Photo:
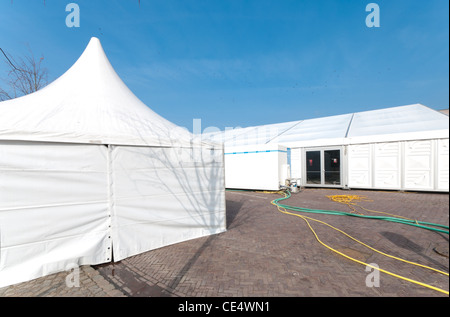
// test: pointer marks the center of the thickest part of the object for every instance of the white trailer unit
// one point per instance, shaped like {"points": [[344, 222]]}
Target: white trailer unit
{"points": [[258, 167]]}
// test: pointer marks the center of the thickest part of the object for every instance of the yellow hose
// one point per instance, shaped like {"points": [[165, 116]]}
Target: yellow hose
{"points": [[283, 210]]}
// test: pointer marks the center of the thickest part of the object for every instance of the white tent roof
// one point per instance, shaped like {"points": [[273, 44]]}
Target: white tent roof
{"points": [[88, 104], [413, 118], [390, 124]]}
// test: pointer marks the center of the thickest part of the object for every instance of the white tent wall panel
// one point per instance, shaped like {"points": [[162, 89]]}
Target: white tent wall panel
{"points": [[442, 170], [296, 163], [165, 195], [360, 166], [387, 165], [53, 208], [70, 204], [418, 165], [284, 169], [406, 165]]}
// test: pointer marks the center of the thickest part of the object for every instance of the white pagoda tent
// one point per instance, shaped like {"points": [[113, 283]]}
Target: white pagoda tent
{"points": [[89, 174]]}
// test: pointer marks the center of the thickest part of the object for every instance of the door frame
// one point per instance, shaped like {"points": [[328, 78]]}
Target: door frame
{"points": [[322, 150]]}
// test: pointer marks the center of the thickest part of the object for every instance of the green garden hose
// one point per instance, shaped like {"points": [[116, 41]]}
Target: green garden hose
{"points": [[420, 224]]}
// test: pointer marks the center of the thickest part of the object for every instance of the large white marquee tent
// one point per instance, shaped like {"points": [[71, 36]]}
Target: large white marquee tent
{"points": [[399, 148], [89, 174]]}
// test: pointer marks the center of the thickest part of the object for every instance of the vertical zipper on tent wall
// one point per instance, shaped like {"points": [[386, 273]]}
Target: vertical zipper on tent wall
{"points": [[110, 203]]}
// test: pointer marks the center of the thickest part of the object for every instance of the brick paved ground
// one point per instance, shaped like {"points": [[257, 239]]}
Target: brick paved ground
{"points": [[266, 253], [92, 284]]}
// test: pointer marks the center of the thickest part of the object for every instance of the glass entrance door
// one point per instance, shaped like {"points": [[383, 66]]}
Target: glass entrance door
{"points": [[323, 167], [332, 167], [313, 167]]}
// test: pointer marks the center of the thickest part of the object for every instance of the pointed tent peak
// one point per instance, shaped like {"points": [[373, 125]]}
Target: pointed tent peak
{"points": [[94, 40], [94, 43], [89, 103], [94, 46], [94, 57], [92, 82]]}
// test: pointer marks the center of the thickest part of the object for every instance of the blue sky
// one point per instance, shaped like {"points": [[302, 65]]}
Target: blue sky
{"points": [[248, 62]]}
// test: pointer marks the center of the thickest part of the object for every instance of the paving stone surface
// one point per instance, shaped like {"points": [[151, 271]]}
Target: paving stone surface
{"points": [[266, 253]]}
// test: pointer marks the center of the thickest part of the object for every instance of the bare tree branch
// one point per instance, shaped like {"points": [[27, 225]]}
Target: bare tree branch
{"points": [[25, 75]]}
